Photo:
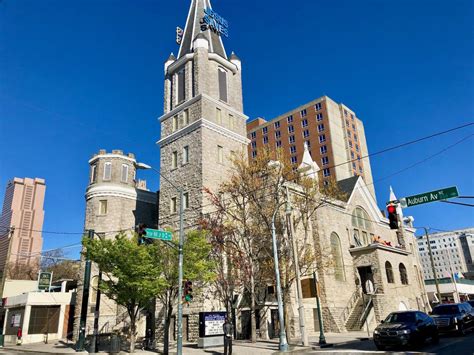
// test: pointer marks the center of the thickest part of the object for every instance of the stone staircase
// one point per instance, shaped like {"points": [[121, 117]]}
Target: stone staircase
{"points": [[353, 321]]}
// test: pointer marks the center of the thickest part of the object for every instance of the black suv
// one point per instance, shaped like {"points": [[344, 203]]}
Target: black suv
{"points": [[454, 317], [407, 328]]}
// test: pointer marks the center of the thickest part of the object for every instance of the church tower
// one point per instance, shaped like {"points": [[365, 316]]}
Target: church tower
{"points": [[203, 122]]}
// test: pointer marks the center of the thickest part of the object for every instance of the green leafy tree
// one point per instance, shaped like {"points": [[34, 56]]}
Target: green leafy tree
{"points": [[132, 273], [197, 267]]}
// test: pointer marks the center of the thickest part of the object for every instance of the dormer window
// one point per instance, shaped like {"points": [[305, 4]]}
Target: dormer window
{"points": [[222, 84]]}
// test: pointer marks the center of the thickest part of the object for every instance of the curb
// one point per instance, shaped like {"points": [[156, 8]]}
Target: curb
{"points": [[26, 350]]}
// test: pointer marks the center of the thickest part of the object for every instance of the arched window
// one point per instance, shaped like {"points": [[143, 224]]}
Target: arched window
{"points": [[389, 272], [403, 274], [337, 257], [362, 226]]}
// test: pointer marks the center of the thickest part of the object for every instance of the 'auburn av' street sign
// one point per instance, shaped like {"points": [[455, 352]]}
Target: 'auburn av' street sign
{"points": [[158, 234], [427, 197]]}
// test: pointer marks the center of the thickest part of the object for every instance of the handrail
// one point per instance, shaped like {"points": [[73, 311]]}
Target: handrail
{"points": [[366, 311], [352, 301]]}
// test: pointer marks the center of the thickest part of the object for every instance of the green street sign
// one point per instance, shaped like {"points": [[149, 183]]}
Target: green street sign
{"points": [[427, 197], [157, 234], [44, 280]]}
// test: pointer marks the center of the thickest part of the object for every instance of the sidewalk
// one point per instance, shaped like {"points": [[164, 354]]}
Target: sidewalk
{"points": [[240, 347]]}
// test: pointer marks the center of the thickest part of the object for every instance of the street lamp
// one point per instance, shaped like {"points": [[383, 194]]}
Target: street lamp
{"points": [[283, 343], [180, 254]]}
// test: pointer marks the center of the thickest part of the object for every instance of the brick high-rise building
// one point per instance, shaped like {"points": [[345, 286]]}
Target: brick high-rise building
{"points": [[332, 131], [23, 211]]}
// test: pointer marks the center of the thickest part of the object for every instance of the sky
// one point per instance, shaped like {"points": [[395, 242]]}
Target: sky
{"points": [[79, 76]]}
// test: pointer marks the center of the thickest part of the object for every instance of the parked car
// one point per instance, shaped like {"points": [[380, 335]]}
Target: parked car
{"points": [[454, 317], [405, 328]]}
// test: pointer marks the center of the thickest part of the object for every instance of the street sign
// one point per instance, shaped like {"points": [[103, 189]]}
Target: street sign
{"points": [[157, 234], [44, 280], [432, 196]]}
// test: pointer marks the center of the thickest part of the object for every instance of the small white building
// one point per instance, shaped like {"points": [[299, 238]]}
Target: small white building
{"points": [[38, 314], [458, 291]]}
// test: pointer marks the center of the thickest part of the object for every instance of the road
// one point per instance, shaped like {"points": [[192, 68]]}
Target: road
{"points": [[449, 345]]}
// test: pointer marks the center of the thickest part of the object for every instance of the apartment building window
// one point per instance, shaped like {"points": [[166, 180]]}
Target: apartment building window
{"points": [[319, 116], [277, 124], [277, 134], [347, 123], [352, 116], [181, 86], [173, 205], [352, 155], [253, 135], [293, 149], [326, 172], [185, 154], [290, 118], [326, 183], [353, 165], [93, 173], [355, 137], [308, 143], [218, 115], [278, 144], [291, 129], [345, 113], [103, 207], [265, 139], [254, 145], [220, 154], [107, 171], [361, 170], [322, 138], [303, 113], [323, 149], [357, 147], [320, 127], [350, 143], [294, 160], [306, 133], [186, 200], [325, 160], [124, 175], [186, 117], [349, 133], [291, 139], [358, 157], [174, 160], [354, 127], [317, 107], [304, 123], [222, 85], [254, 154]]}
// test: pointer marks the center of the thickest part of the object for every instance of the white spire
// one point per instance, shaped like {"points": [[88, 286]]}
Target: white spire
{"points": [[393, 197], [308, 167]]}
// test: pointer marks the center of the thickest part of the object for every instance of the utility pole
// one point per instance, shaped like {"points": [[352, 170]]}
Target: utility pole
{"points": [[432, 264], [96, 314], [4, 273], [453, 278], [291, 234], [322, 338], [180, 274], [85, 298]]}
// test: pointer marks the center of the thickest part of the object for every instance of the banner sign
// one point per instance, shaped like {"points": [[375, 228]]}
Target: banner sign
{"points": [[212, 20], [211, 324]]}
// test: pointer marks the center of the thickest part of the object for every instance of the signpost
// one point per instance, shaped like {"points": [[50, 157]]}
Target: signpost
{"points": [[44, 280], [158, 234], [427, 197]]}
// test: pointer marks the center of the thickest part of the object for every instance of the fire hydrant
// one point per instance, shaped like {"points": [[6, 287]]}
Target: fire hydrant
{"points": [[19, 334]]}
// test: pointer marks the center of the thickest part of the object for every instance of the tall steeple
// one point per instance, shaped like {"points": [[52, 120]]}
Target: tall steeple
{"points": [[203, 20]]}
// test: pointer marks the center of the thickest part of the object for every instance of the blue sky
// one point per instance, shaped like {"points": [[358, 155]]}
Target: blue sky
{"points": [[78, 76]]}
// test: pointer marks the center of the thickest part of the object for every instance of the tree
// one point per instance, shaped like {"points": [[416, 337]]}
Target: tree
{"points": [[54, 261], [132, 273], [197, 267]]}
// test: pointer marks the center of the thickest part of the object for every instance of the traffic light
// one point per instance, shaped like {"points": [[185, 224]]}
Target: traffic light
{"points": [[188, 291], [141, 231], [392, 216]]}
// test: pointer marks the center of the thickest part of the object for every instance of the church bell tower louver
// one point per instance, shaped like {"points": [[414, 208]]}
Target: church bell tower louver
{"points": [[203, 122]]}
